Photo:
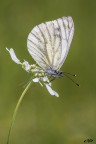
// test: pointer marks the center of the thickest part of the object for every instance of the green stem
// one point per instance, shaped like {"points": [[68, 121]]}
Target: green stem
{"points": [[16, 110]]}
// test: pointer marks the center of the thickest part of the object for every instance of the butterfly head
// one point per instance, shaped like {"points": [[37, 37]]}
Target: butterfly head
{"points": [[54, 73]]}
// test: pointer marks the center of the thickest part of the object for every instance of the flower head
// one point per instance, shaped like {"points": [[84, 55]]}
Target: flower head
{"points": [[38, 74]]}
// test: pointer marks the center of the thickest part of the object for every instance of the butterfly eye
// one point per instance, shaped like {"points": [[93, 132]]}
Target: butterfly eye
{"points": [[61, 72]]}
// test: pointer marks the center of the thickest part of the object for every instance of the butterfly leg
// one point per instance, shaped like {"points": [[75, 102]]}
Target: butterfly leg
{"points": [[51, 78]]}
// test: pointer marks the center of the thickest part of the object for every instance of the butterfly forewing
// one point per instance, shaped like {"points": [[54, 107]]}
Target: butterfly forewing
{"points": [[49, 42]]}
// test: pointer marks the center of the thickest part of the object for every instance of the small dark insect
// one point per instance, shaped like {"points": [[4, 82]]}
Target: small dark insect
{"points": [[88, 140]]}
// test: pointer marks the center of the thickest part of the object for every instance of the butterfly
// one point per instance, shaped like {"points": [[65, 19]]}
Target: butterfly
{"points": [[48, 43]]}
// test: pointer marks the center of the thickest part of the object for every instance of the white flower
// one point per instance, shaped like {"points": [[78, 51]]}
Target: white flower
{"points": [[52, 92], [45, 79], [36, 80], [13, 56], [38, 73], [26, 65]]}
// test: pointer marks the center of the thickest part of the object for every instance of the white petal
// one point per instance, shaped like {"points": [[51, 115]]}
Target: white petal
{"points": [[36, 80], [13, 56], [52, 92], [26, 65], [45, 79]]}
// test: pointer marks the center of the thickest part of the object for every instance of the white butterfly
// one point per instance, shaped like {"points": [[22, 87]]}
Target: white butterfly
{"points": [[49, 43]]}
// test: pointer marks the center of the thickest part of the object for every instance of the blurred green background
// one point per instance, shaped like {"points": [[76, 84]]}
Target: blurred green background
{"points": [[42, 118]]}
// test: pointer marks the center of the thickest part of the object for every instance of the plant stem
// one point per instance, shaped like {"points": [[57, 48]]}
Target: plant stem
{"points": [[16, 110]]}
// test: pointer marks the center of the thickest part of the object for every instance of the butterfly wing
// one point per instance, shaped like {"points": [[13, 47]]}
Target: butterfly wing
{"points": [[49, 43]]}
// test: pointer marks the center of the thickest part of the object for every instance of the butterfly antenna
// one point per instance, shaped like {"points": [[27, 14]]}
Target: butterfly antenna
{"points": [[70, 78], [70, 74]]}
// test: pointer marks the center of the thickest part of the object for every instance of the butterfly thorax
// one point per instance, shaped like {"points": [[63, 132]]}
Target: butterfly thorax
{"points": [[54, 73]]}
